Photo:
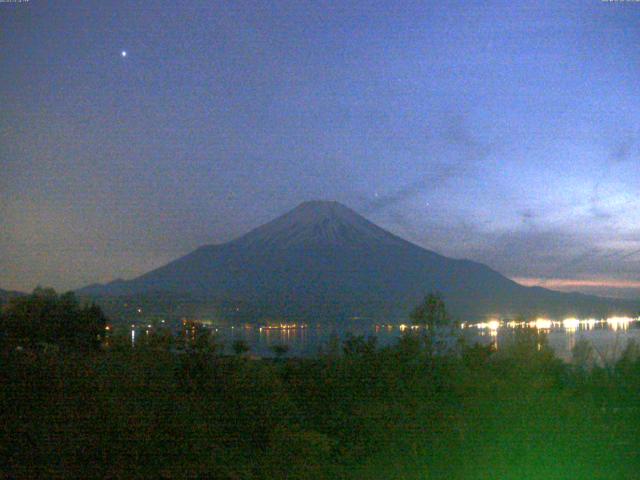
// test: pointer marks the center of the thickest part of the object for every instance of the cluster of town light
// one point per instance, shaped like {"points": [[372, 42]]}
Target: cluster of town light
{"points": [[404, 327], [570, 324]]}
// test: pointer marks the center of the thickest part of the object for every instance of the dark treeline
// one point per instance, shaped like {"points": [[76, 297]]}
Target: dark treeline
{"points": [[354, 411], [45, 319]]}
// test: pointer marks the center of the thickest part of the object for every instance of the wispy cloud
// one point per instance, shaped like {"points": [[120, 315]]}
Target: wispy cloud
{"points": [[456, 152], [432, 181], [624, 147]]}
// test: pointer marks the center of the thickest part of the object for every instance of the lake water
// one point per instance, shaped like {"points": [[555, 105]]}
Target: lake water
{"points": [[608, 336]]}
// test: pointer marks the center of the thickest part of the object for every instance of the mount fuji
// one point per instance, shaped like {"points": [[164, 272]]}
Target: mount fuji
{"points": [[322, 261]]}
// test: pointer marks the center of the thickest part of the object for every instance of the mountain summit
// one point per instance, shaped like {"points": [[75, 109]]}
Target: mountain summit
{"points": [[322, 261], [317, 223]]}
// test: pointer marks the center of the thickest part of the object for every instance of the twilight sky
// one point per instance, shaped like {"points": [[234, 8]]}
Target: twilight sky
{"points": [[502, 131]]}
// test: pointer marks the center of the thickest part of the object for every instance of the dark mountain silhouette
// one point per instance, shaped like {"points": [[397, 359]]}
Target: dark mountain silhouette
{"points": [[6, 295], [322, 261]]}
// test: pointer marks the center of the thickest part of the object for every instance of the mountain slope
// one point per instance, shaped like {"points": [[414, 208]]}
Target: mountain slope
{"points": [[6, 295], [323, 261]]}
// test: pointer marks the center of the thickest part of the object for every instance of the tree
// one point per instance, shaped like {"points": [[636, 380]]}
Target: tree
{"points": [[583, 355], [280, 350], [44, 317], [431, 313], [359, 345], [239, 347], [206, 342]]}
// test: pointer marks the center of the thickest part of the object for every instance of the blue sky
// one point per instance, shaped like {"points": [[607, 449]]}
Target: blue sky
{"points": [[504, 132]]}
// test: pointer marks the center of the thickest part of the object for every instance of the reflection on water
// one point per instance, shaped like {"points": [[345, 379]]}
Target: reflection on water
{"points": [[608, 336]]}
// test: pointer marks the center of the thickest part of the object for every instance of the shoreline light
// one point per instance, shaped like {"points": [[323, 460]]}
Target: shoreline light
{"points": [[619, 323], [493, 324], [571, 324], [543, 323]]}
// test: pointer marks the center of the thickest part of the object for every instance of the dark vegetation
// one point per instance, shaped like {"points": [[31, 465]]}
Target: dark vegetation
{"points": [[45, 319], [355, 411]]}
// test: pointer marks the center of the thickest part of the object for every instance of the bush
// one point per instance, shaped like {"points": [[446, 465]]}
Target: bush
{"points": [[44, 317]]}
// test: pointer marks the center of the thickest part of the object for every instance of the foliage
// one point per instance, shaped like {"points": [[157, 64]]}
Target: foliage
{"points": [[239, 347], [280, 349], [359, 345], [431, 313], [583, 355], [365, 412], [44, 317]]}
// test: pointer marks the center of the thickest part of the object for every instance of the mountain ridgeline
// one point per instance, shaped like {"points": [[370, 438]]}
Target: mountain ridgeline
{"points": [[322, 262], [6, 295]]}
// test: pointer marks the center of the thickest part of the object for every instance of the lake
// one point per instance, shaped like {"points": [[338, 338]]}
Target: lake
{"points": [[608, 336]]}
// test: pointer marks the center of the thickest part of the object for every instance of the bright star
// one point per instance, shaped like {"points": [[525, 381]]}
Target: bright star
{"points": [[123, 53]]}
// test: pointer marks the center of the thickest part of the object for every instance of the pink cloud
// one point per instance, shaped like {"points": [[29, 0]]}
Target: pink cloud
{"points": [[569, 283]]}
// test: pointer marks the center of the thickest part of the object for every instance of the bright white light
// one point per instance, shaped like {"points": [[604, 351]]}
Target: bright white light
{"points": [[123, 53], [493, 324], [543, 324], [570, 323], [617, 323]]}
